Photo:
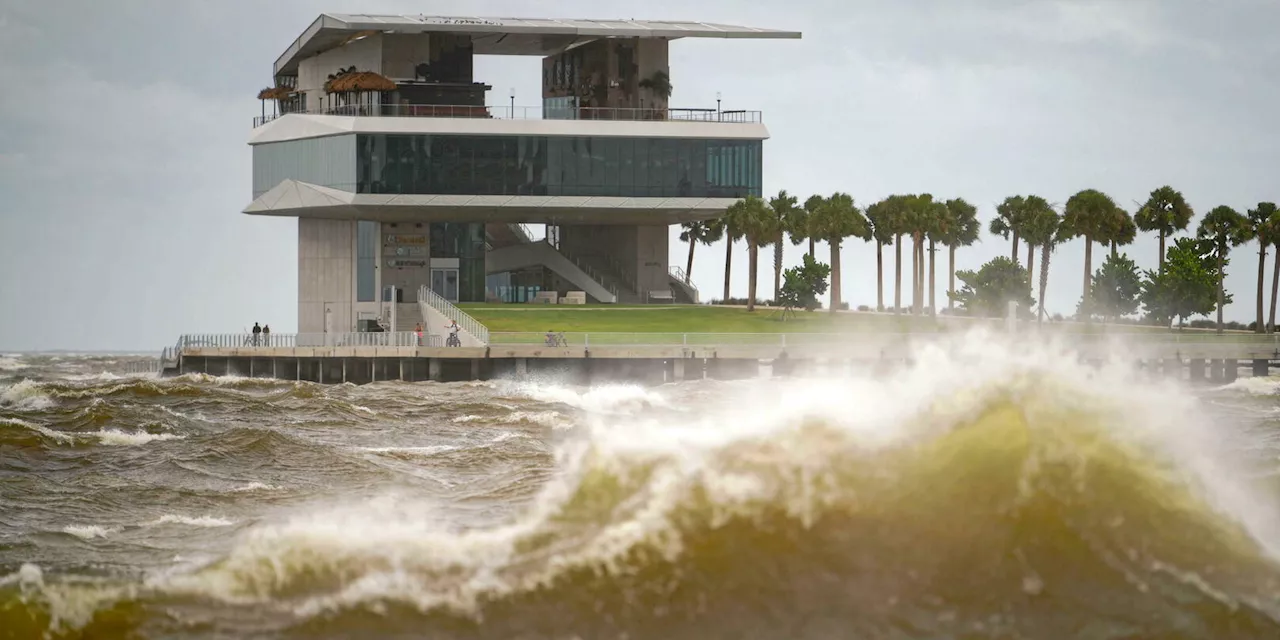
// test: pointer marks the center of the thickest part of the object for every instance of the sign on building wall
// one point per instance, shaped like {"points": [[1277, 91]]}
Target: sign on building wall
{"points": [[406, 239], [420, 252], [401, 263]]}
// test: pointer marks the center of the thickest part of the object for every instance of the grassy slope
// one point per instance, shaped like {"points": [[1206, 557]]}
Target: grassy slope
{"points": [[712, 319]]}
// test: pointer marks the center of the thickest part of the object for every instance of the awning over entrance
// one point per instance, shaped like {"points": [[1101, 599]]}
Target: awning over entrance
{"points": [[296, 199]]}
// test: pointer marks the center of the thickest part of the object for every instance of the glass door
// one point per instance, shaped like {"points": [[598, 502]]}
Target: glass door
{"points": [[445, 283]]}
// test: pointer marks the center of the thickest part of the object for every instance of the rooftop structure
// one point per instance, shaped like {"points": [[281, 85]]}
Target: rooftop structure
{"points": [[413, 189]]}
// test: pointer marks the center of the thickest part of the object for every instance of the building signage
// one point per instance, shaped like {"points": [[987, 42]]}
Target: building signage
{"points": [[411, 251], [402, 263], [406, 239], [461, 21]]}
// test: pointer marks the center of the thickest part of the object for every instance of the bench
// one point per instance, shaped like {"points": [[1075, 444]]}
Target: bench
{"points": [[545, 297], [574, 297], [662, 295]]}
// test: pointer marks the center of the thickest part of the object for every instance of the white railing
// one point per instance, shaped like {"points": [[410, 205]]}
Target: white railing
{"points": [[685, 281], [452, 312], [641, 339], [291, 340]]}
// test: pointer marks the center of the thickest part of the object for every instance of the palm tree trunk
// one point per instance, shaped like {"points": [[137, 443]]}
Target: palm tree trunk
{"points": [[951, 277], [1160, 266], [835, 274], [1088, 280], [689, 267], [1221, 291], [1031, 262], [1044, 279], [920, 275], [810, 247], [777, 270], [933, 301], [753, 253], [1015, 247], [915, 274], [728, 264], [879, 276], [1262, 276], [897, 273], [1275, 289]]}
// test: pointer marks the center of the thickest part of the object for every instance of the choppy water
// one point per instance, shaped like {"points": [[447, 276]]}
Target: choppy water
{"points": [[982, 493]]}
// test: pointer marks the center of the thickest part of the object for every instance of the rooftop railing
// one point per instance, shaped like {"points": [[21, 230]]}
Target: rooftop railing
{"points": [[528, 113]]}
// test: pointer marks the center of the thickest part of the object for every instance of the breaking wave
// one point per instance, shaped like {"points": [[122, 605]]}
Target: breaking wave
{"points": [[982, 492]]}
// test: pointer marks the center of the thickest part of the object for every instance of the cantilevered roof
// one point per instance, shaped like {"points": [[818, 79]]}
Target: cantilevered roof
{"points": [[505, 36]]}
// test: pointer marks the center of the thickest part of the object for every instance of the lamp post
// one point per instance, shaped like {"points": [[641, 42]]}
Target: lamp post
{"points": [[512, 93], [717, 105]]}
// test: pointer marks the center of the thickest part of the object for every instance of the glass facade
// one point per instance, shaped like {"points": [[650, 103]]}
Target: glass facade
{"points": [[557, 166], [328, 162], [366, 260], [464, 241]]}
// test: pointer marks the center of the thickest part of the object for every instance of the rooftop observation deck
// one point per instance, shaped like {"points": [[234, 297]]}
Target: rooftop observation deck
{"points": [[527, 113]]}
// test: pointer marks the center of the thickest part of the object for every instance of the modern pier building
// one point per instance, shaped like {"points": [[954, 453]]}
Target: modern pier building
{"points": [[408, 178]]}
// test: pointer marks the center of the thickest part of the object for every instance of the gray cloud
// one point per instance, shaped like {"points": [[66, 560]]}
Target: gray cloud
{"points": [[124, 165]]}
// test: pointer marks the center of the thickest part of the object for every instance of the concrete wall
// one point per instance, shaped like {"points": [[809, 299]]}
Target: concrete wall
{"points": [[402, 52], [401, 256], [365, 54], [640, 251], [326, 274], [651, 259]]}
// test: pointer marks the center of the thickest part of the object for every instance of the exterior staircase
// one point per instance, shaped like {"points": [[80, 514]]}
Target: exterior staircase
{"points": [[439, 313], [579, 273], [683, 291]]}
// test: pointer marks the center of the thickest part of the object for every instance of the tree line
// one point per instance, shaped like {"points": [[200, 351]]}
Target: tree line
{"points": [[1188, 280]]}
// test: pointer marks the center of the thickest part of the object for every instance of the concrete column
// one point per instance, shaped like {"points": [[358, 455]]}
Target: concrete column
{"points": [[401, 369], [1231, 371], [344, 370], [1216, 370], [320, 371], [251, 359], [1261, 368], [434, 369], [1197, 369], [475, 369], [677, 371], [522, 366]]}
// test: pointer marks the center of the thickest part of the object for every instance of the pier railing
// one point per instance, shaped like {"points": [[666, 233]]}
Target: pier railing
{"points": [[290, 340], [643, 339], [452, 312]]}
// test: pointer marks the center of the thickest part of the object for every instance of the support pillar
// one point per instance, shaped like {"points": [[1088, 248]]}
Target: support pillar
{"points": [[1217, 370], [344, 371], [435, 369], [522, 366], [1197, 369], [677, 371], [1231, 370], [373, 369], [251, 359], [475, 369], [320, 369], [1261, 368]]}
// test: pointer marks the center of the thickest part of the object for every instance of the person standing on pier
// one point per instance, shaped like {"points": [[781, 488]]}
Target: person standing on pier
{"points": [[257, 333], [418, 330], [266, 335]]}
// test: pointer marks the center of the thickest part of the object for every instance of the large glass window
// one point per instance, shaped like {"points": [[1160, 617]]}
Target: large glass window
{"points": [[557, 166], [366, 260]]}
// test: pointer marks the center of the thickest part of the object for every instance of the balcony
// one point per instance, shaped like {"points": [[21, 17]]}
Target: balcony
{"points": [[528, 113]]}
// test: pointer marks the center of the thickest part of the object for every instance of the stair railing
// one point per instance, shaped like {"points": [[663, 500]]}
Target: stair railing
{"points": [[452, 312]]}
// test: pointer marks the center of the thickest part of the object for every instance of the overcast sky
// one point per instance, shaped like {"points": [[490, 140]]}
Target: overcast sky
{"points": [[124, 166]]}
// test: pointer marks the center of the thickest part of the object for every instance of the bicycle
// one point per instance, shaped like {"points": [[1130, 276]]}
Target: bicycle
{"points": [[557, 340], [453, 341]]}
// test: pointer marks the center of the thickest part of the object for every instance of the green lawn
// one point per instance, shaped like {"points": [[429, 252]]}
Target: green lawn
{"points": [[539, 319]]}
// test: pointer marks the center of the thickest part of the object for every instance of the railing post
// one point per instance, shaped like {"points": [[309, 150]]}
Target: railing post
{"points": [[586, 340]]}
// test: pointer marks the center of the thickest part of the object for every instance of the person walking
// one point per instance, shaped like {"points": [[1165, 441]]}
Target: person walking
{"points": [[418, 331], [257, 333]]}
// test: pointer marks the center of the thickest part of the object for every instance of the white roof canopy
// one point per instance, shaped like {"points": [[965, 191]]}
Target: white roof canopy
{"points": [[505, 36]]}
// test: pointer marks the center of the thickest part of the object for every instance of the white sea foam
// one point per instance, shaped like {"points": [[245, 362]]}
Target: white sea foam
{"points": [[608, 399], [397, 548], [27, 395], [1257, 386], [466, 418], [117, 438], [190, 521], [552, 419], [418, 451], [105, 376], [12, 363], [89, 531], [63, 438], [255, 486]]}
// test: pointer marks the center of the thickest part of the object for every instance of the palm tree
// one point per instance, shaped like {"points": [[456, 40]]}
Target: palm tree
{"points": [[758, 226], [881, 217], [781, 205], [963, 231], [1007, 222], [1041, 228], [1264, 220], [1124, 230], [1034, 210], [1226, 228], [1165, 212], [699, 232], [1089, 214], [811, 205], [838, 218], [940, 229], [731, 232]]}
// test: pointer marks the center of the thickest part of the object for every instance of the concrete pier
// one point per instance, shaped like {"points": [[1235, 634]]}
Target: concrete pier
{"points": [[644, 364]]}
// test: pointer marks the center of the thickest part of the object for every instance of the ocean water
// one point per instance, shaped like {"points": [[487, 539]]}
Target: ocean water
{"points": [[985, 491]]}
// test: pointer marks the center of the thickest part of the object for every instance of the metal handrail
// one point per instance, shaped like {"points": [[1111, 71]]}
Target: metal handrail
{"points": [[292, 340], [502, 112], [624, 339], [452, 312]]}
